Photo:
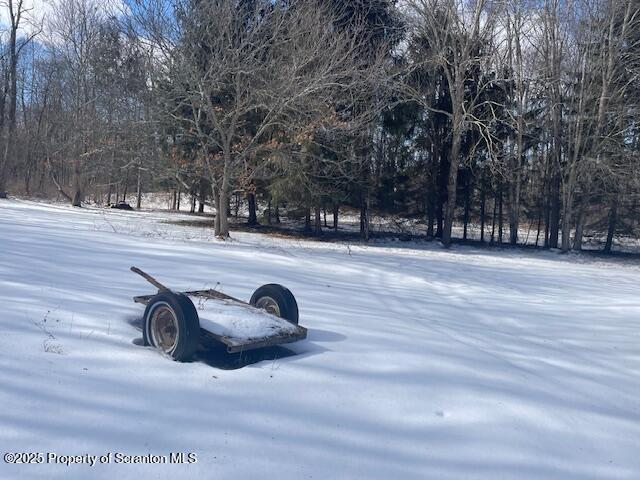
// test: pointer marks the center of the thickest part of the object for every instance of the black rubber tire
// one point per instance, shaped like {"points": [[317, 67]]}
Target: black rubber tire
{"points": [[282, 296], [188, 324]]}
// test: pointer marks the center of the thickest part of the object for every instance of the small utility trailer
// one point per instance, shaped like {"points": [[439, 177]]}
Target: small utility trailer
{"points": [[173, 325]]}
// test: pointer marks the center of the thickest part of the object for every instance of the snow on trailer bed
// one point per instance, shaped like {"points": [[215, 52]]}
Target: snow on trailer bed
{"points": [[243, 327]]}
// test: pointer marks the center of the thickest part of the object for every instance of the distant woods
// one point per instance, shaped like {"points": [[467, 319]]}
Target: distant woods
{"points": [[517, 120]]}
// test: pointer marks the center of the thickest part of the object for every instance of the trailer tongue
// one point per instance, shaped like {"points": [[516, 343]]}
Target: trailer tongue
{"points": [[173, 324]]}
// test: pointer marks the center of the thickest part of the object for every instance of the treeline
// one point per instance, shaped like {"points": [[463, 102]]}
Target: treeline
{"points": [[517, 118]]}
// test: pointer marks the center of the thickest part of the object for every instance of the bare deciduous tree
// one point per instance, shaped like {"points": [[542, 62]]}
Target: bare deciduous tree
{"points": [[264, 76], [17, 11], [460, 36]]}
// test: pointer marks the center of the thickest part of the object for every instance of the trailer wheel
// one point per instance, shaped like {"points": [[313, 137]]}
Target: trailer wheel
{"points": [[276, 300], [171, 325]]}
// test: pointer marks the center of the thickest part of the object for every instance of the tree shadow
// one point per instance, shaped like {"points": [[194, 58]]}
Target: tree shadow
{"points": [[324, 336]]}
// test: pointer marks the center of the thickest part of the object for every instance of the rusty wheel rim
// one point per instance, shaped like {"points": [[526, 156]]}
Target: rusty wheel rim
{"points": [[164, 328], [269, 304]]}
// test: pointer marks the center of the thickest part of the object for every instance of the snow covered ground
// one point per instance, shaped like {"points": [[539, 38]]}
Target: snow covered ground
{"points": [[420, 363]]}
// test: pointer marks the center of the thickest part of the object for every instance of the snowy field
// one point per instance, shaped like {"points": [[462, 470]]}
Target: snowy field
{"points": [[420, 363]]}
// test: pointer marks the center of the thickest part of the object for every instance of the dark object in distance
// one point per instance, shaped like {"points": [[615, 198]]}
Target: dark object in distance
{"points": [[122, 206]]}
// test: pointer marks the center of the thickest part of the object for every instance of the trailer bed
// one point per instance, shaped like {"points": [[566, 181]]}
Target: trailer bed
{"points": [[236, 324]]}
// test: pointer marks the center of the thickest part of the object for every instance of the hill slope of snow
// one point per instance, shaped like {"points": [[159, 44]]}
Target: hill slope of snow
{"points": [[419, 363]]}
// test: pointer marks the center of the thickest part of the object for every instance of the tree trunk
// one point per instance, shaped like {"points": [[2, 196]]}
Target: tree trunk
{"points": [[572, 182], [126, 187], [7, 155], [364, 219], [77, 185], [554, 213], [440, 195], [467, 196], [336, 209], [430, 216], [452, 185], [553, 65], [277, 215], [483, 203], [224, 214], [514, 214], [439, 220], [613, 219], [307, 220], [539, 229], [253, 217], [223, 201], [577, 241], [3, 174], [546, 227], [567, 209], [77, 198], [139, 190], [203, 195], [500, 217], [10, 135], [318, 221], [514, 161], [494, 217], [27, 175], [216, 219]]}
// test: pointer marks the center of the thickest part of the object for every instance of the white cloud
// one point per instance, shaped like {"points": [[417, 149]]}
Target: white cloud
{"points": [[36, 12]]}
